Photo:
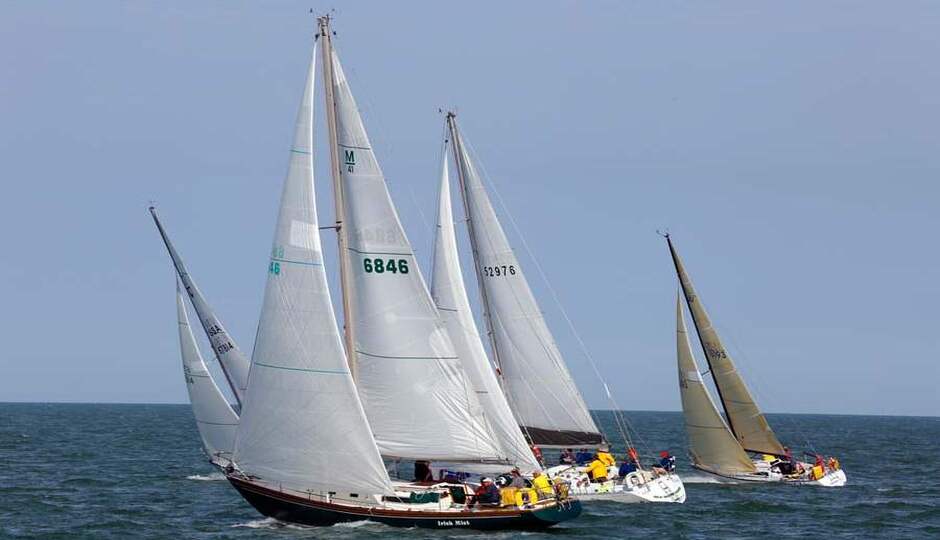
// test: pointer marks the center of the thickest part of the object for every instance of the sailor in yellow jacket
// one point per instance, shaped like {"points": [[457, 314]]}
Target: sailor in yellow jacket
{"points": [[543, 484], [597, 471], [605, 456]]}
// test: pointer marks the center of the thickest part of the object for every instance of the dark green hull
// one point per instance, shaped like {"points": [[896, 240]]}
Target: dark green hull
{"points": [[294, 509]]}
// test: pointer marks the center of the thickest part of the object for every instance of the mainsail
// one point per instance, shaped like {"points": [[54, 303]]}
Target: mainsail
{"points": [[303, 424], [450, 295], [541, 392], [745, 419], [414, 390], [215, 418], [711, 443], [233, 362]]}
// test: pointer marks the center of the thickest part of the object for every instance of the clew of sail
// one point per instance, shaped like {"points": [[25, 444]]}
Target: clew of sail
{"points": [[415, 392], [303, 424], [711, 443], [540, 389], [450, 296], [233, 362], [215, 418], [745, 419]]}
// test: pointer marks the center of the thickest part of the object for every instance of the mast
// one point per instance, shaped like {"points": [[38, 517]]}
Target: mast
{"points": [[680, 272], [457, 148], [326, 48]]}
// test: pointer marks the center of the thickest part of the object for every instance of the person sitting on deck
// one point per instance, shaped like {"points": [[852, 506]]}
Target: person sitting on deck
{"points": [[628, 466], [567, 457], [583, 457], [486, 494], [517, 480], [667, 461], [543, 484], [597, 471], [603, 454]]}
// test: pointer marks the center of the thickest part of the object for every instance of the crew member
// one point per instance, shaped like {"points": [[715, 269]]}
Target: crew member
{"points": [[597, 471], [537, 452], [628, 466], [667, 461], [543, 484], [423, 472], [487, 493], [603, 454], [567, 457], [517, 480]]}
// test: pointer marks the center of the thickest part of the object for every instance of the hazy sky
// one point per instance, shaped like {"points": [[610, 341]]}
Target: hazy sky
{"points": [[793, 149]]}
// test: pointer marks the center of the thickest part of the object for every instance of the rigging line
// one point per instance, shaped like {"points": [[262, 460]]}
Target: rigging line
{"points": [[551, 289]]}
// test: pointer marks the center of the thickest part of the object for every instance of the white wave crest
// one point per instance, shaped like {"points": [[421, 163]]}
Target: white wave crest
{"points": [[211, 477], [700, 479], [267, 523]]}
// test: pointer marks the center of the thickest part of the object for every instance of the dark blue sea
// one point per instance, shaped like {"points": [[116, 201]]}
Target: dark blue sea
{"points": [[136, 471]]}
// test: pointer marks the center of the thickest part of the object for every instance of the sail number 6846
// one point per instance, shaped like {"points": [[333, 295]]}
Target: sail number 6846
{"points": [[380, 266]]}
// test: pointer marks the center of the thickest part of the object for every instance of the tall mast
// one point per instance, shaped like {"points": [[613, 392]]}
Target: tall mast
{"points": [[326, 48], [680, 272], [477, 269]]}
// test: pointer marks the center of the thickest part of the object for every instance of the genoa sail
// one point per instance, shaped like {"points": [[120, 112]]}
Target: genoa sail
{"points": [[413, 387], [540, 389], [303, 424], [711, 443], [745, 419], [233, 362], [450, 296], [215, 419]]}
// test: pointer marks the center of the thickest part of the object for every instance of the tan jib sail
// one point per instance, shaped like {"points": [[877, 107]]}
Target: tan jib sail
{"points": [[745, 419], [711, 443]]}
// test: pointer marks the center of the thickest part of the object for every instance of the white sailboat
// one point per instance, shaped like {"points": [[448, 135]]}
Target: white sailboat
{"points": [[317, 417], [722, 447], [215, 419], [541, 393]]}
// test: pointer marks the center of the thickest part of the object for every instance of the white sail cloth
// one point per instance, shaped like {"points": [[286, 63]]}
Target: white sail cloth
{"points": [[450, 295], [215, 419], [745, 419], [415, 393], [233, 362], [711, 443], [303, 424], [540, 389]]}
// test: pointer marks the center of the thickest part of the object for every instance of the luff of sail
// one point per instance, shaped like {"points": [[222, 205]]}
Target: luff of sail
{"points": [[303, 424], [215, 419], [414, 390], [711, 443], [540, 389], [745, 419], [450, 296], [230, 357]]}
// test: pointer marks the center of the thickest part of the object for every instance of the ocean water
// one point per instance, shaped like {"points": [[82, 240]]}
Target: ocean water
{"points": [[136, 471]]}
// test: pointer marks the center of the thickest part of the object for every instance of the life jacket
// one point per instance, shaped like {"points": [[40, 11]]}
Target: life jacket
{"points": [[597, 469], [543, 485], [606, 458]]}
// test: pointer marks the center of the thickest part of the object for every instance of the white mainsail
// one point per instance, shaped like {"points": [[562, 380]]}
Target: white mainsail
{"points": [[414, 390], [450, 295], [540, 389], [711, 443], [745, 419], [233, 362], [303, 424], [215, 419]]}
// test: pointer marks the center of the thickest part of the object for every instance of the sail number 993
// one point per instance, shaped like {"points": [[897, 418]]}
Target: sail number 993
{"points": [[380, 266], [496, 271]]}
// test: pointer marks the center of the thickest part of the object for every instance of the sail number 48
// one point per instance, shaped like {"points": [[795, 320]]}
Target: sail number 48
{"points": [[380, 266]]}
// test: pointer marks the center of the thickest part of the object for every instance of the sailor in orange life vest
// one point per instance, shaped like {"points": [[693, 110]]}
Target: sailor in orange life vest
{"points": [[537, 452]]}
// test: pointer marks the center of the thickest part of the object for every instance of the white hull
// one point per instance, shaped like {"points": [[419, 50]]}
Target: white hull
{"points": [[638, 487], [764, 475]]}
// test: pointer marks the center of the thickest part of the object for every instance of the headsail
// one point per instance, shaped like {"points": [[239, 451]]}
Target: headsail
{"points": [[450, 295], [303, 424], [215, 418], [540, 390], [711, 443], [233, 362], [745, 419], [414, 390]]}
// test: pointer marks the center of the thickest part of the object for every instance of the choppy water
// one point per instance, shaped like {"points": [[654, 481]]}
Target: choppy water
{"points": [[136, 471]]}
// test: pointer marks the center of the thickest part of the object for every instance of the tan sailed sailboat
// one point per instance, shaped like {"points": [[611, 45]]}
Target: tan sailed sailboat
{"points": [[741, 446]]}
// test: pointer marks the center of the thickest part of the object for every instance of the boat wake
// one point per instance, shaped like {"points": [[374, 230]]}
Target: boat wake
{"points": [[211, 477], [267, 523]]}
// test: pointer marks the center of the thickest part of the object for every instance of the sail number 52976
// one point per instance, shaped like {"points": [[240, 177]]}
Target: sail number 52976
{"points": [[496, 271], [380, 266]]}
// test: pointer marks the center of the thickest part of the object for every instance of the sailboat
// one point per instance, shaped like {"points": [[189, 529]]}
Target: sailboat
{"points": [[723, 446], [321, 411], [539, 390]]}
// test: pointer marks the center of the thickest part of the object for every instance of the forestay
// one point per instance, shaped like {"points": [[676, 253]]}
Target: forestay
{"points": [[415, 393], [711, 443], [233, 362], [539, 387], [215, 419], [303, 425], [745, 419], [450, 296]]}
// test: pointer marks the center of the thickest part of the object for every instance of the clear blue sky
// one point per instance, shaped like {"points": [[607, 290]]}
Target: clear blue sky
{"points": [[793, 149]]}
